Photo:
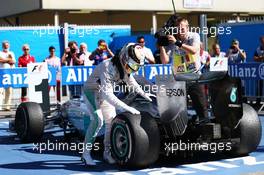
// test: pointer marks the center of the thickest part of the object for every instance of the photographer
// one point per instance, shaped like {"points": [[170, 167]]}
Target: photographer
{"points": [[184, 48], [101, 53], [235, 54], [259, 53], [71, 58]]}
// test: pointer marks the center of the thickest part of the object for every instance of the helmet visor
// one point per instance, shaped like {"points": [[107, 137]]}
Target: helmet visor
{"points": [[133, 65]]}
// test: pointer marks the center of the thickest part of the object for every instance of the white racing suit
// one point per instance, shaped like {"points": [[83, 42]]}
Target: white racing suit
{"points": [[101, 101]]}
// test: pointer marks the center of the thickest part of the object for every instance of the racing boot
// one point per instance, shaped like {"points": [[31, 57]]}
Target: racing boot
{"points": [[107, 155], [87, 159]]}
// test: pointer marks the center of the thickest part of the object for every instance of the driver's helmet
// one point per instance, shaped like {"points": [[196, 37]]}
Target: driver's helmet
{"points": [[132, 57]]}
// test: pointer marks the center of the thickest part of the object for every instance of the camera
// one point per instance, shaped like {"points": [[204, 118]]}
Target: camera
{"points": [[162, 34], [102, 47], [73, 50]]}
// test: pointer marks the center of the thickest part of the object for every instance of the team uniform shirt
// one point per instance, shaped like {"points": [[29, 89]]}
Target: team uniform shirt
{"points": [[104, 79], [259, 52], [182, 61], [235, 57], [6, 55], [24, 60]]}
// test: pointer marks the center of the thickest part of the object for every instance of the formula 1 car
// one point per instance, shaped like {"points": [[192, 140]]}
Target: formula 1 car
{"points": [[165, 125]]}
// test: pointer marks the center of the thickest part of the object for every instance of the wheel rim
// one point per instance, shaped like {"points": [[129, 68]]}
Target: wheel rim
{"points": [[120, 141]]}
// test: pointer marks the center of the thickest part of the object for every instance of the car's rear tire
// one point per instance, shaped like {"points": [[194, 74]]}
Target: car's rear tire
{"points": [[29, 122], [250, 132], [135, 140]]}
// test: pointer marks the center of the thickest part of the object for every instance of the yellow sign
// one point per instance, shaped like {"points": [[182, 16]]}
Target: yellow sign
{"points": [[184, 63]]}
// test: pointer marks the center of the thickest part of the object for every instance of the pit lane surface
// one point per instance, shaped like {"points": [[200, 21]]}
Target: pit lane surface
{"points": [[25, 159]]}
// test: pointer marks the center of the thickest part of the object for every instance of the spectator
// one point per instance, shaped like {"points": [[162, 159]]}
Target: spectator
{"points": [[54, 61], [149, 56], [101, 53], [259, 53], [259, 57], [216, 51], [185, 47], [23, 60], [71, 58], [84, 55], [204, 58], [235, 54], [7, 60]]}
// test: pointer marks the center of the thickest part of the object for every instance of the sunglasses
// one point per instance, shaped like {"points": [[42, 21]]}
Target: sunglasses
{"points": [[141, 42], [25, 49], [128, 69]]}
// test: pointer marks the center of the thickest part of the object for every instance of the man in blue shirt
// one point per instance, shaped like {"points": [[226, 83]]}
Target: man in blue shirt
{"points": [[101, 53], [235, 54]]}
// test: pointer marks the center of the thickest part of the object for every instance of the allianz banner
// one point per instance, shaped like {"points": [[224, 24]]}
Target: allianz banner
{"points": [[17, 77], [77, 75], [247, 71]]}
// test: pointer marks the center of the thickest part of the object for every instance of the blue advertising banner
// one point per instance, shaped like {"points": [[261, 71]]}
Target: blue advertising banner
{"points": [[150, 71], [74, 75], [252, 71], [17, 77], [77, 75]]}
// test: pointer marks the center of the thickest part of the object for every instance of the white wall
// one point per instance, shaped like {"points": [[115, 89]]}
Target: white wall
{"points": [[13, 7], [253, 6]]}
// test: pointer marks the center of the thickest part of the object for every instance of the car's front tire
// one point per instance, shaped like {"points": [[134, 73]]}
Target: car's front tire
{"points": [[29, 122]]}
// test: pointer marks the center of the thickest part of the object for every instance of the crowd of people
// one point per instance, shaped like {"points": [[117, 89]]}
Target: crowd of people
{"points": [[80, 56]]}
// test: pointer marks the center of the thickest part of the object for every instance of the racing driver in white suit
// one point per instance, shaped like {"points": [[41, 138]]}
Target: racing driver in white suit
{"points": [[100, 99]]}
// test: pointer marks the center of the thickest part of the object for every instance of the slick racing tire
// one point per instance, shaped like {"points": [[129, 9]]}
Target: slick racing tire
{"points": [[29, 122], [135, 140], [250, 132]]}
